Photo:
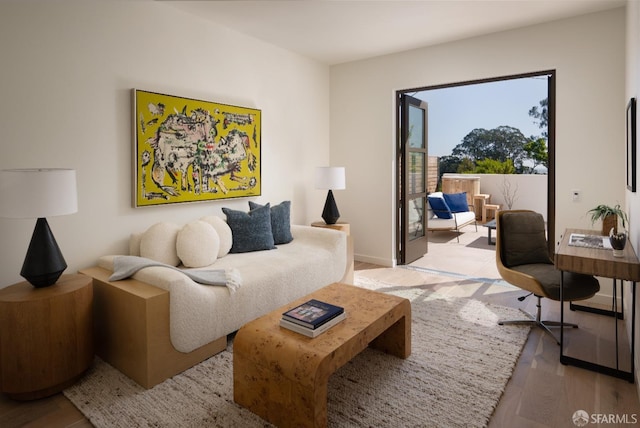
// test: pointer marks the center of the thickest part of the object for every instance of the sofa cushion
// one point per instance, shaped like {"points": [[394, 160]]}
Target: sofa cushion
{"points": [[251, 231], [280, 221], [439, 207], [197, 244], [224, 233], [457, 202], [158, 243]]}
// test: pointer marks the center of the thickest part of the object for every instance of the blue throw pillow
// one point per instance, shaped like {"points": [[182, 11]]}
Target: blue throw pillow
{"points": [[457, 202], [439, 207], [280, 221], [251, 231]]}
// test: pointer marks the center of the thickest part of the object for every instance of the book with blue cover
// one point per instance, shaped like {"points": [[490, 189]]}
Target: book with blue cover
{"points": [[312, 314], [312, 332]]}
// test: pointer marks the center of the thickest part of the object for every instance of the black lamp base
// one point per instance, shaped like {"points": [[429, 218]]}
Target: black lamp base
{"points": [[43, 263], [330, 214]]}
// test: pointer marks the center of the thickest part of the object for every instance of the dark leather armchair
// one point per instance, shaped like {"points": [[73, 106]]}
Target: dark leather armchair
{"points": [[522, 258]]}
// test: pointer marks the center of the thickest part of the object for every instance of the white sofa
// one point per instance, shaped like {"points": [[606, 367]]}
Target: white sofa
{"points": [[457, 221], [160, 322]]}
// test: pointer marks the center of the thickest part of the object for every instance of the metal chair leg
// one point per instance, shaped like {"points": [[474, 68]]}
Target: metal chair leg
{"points": [[545, 325]]}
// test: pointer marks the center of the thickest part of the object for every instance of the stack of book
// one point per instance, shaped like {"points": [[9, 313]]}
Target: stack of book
{"points": [[312, 318]]}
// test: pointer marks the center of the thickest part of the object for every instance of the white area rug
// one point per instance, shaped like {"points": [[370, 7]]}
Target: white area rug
{"points": [[460, 363]]}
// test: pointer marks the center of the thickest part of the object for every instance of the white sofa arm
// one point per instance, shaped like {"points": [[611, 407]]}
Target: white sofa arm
{"points": [[330, 238], [158, 276]]}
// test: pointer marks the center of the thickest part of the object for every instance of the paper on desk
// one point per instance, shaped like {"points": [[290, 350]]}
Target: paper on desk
{"points": [[589, 241]]}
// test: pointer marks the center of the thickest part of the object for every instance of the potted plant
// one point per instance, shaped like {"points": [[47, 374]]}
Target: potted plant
{"points": [[609, 216]]}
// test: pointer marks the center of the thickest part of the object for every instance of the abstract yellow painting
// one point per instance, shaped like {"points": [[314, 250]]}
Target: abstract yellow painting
{"points": [[188, 150]]}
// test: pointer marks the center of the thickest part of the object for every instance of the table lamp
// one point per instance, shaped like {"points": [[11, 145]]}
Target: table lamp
{"points": [[330, 178], [39, 193]]}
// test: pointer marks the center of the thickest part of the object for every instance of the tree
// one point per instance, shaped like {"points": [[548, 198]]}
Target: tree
{"points": [[537, 151], [542, 116], [448, 164], [492, 166], [501, 143], [466, 166]]}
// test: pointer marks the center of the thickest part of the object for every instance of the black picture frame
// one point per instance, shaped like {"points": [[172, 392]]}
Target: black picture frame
{"points": [[631, 145]]}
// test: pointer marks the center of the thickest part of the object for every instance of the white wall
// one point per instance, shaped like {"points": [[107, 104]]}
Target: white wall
{"points": [[529, 191], [633, 90], [588, 54], [67, 70]]}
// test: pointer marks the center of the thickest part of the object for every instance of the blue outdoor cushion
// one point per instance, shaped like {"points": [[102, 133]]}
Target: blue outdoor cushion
{"points": [[251, 231], [280, 221], [457, 202], [439, 207]]}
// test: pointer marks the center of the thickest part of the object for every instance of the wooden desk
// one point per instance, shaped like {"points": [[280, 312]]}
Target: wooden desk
{"points": [[599, 262]]}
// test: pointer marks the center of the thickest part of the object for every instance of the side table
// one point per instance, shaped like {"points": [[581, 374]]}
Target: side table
{"points": [[346, 228], [491, 225], [490, 207], [46, 336], [479, 201]]}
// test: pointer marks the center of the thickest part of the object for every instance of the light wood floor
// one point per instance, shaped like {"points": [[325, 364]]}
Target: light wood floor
{"points": [[541, 393]]}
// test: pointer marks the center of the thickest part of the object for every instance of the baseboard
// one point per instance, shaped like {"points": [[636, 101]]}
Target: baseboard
{"points": [[375, 260], [600, 301]]}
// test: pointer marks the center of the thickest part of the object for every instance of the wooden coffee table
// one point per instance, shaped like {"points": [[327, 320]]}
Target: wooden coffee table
{"points": [[282, 376]]}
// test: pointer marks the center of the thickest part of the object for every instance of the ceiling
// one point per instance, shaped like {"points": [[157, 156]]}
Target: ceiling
{"points": [[337, 31]]}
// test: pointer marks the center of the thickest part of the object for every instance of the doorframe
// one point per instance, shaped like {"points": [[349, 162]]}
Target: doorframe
{"points": [[551, 142]]}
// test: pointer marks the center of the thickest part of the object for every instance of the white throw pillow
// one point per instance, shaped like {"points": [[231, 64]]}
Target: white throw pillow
{"points": [[198, 244], [224, 232], [159, 243]]}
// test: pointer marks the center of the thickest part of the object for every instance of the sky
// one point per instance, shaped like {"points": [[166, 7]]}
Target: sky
{"points": [[456, 111]]}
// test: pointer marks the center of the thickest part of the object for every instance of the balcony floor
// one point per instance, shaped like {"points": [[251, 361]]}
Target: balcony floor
{"points": [[445, 253]]}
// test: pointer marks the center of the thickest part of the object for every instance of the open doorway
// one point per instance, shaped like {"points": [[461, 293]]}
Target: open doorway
{"points": [[512, 130]]}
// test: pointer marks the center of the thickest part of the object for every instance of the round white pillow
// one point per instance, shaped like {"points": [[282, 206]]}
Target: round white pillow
{"points": [[224, 232], [197, 244], [159, 243]]}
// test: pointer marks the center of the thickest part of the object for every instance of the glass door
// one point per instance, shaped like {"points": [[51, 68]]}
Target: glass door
{"points": [[412, 173]]}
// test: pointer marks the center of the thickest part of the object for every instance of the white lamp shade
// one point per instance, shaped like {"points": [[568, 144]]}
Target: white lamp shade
{"points": [[330, 178], [36, 193]]}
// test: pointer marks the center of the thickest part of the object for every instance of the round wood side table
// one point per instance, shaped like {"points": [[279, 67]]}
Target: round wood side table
{"points": [[46, 336]]}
